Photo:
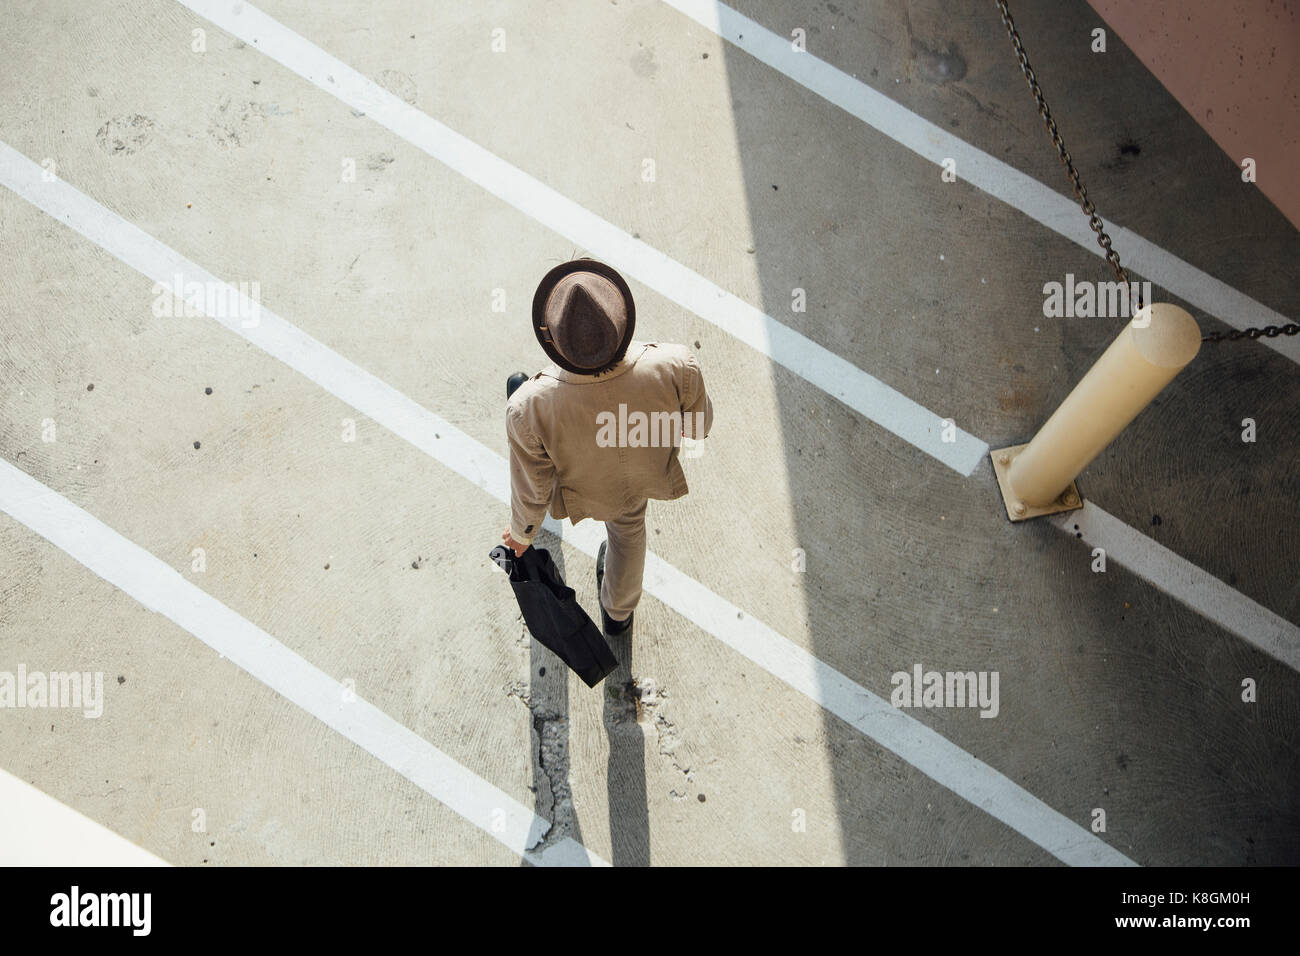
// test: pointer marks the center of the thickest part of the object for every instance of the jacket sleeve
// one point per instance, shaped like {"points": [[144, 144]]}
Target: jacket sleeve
{"points": [[532, 478], [697, 408]]}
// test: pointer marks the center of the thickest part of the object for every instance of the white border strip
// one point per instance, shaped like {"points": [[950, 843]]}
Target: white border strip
{"points": [[1185, 582], [161, 588], [985, 172], [38, 830], [864, 393]]}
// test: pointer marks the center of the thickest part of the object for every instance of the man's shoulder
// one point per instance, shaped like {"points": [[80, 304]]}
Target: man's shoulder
{"points": [[666, 353], [529, 392]]}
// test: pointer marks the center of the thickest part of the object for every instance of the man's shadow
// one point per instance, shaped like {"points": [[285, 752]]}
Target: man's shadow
{"points": [[548, 680]]}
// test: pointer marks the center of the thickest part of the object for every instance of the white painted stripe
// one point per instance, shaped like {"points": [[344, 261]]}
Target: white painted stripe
{"points": [[37, 830], [163, 590], [987, 173], [1185, 582], [840, 379], [907, 737]]}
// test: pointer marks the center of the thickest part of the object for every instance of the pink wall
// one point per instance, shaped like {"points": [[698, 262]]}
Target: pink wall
{"points": [[1234, 65]]}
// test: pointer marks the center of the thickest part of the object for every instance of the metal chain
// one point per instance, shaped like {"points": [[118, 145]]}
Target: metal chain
{"points": [[1081, 193], [1268, 331]]}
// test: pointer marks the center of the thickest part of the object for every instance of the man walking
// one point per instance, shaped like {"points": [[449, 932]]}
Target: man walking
{"points": [[598, 432]]}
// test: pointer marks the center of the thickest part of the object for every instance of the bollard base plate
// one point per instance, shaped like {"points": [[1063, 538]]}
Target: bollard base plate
{"points": [[1069, 499]]}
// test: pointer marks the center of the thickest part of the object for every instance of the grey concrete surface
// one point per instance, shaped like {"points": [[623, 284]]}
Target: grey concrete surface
{"points": [[1113, 695]]}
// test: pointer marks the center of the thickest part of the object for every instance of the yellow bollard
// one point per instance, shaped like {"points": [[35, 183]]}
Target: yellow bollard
{"points": [[1037, 478]]}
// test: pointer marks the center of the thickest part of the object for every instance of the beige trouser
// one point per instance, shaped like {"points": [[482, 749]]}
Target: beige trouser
{"points": [[624, 563]]}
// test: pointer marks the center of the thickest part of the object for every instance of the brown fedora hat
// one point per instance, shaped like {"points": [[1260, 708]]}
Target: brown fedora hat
{"points": [[583, 315]]}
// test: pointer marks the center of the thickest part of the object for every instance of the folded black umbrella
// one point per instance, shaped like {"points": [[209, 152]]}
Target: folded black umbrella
{"points": [[553, 614]]}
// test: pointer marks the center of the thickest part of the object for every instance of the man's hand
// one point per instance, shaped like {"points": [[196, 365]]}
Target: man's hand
{"points": [[512, 544]]}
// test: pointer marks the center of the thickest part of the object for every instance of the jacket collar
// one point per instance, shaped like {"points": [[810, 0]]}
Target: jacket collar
{"points": [[634, 352]]}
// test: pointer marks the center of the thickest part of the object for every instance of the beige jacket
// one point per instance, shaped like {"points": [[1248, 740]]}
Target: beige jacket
{"points": [[592, 446]]}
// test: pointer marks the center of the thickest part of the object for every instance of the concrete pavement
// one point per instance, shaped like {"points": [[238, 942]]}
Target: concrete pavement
{"points": [[368, 558]]}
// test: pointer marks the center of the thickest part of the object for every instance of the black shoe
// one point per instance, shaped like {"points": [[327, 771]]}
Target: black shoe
{"points": [[514, 381], [612, 627]]}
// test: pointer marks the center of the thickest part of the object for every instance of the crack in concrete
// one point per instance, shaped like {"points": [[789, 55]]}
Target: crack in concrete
{"points": [[637, 707], [550, 752], [543, 788], [551, 732]]}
